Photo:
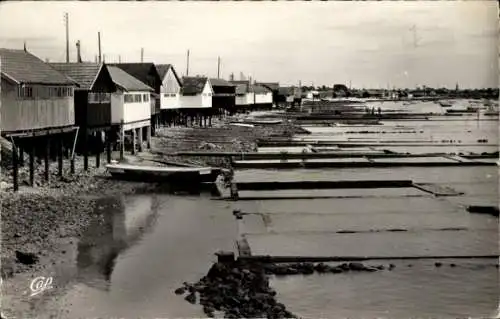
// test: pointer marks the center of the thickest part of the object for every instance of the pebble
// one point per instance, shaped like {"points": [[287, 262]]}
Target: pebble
{"points": [[180, 291]]}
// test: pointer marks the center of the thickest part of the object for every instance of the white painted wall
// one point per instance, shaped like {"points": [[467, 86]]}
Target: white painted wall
{"points": [[19, 113], [246, 99], [198, 101], [170, 92], [116, 107], [130, 111], [261, 98]]}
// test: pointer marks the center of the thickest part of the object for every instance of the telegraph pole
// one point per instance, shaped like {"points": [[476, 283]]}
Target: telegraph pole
{"points": [[218, 67], [66, 21], [187, 65], [99, 43], [142, 55]]}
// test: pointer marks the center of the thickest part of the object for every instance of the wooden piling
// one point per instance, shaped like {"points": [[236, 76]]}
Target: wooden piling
{"points": [[59, 156], [46, 157], [122, 141], [32, 165], [108, 146], [134, 137], [148, 136], [140, 130], [98, 138], [15, 167], [85, 150], [21, 155]]}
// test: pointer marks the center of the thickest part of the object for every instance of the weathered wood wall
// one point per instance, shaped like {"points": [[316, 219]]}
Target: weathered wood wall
{"points": [[19, 114]]}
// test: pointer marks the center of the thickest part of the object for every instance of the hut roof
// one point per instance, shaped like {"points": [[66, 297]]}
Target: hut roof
{"points": [[84, 73], [23, 67], [193, 85], [126, 81]]}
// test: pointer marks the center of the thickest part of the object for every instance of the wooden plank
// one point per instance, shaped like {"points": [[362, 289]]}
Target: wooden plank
{"points": [[437, 190], [323, 184], [351, 164], [292, 259]]}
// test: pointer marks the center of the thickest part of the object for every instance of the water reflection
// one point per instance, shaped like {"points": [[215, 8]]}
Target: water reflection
{"points": [[118, 223]]}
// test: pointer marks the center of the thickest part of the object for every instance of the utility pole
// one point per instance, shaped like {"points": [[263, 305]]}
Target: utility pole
{"points": [[187, 64], [99, 44], [66, 20], [142, 55], [218, 67], [119, 59], [25, 50]]}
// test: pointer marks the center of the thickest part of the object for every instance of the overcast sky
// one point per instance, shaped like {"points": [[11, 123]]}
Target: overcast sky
{"points": [[371, 44]]}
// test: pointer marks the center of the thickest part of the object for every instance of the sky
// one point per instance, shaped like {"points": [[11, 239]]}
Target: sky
{"points": [[373, 44]]}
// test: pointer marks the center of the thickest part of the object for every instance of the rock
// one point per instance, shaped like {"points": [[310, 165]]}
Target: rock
{"points": [[191, 298], [322, 268], [438, 264], [180, 291], [452, 265], [357, 266], [392, 266], [344, 266], [26, 258]]}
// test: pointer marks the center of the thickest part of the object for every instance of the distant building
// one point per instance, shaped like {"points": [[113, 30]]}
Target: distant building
{"points": [[170, 87], [224, 98], [263, 97], [245, 97], [196, 92], [274, 88]]}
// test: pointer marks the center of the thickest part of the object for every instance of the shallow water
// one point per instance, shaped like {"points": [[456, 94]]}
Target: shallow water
{"points": [[130, 263]]}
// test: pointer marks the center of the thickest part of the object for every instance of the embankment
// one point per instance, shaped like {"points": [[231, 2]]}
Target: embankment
{"points": [[226, 138]]}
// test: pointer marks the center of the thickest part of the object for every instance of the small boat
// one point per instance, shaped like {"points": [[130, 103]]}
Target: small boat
{"points": [[182, 175], [262, 122], [445, 104]]}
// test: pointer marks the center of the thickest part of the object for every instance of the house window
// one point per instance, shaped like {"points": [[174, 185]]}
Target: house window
{"points": [[128, 98], [137, 98], [28, 92]]}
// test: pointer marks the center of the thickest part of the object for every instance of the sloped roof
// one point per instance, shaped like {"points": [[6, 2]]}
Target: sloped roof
{"points": [[163, 69], [193, 85], [271, 85], [84, 73], [127, 81], [23, 67], [285, 90], [140, 71], [259, 89], [220, 82], [242, 88]]}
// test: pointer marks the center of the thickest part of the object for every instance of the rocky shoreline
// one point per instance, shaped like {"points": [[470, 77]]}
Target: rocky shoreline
{"points": [[240, 289]]}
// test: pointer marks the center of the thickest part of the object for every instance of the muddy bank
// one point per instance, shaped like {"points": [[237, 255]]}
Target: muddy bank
{"points": [[36, 220], [224, 138]]}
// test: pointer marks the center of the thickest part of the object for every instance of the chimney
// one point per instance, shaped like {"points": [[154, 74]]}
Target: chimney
{"points": [[78, 54]]}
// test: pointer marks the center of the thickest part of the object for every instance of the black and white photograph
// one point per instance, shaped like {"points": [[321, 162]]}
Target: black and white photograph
{"points": [[249, 159]]}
